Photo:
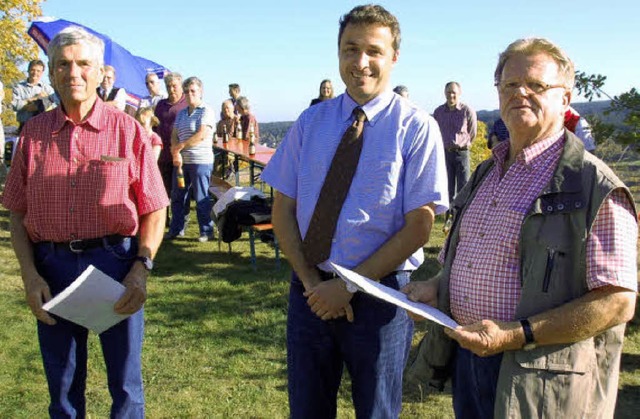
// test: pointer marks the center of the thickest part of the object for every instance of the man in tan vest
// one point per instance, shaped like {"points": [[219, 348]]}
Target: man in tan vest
{"points": [[540, 266]]}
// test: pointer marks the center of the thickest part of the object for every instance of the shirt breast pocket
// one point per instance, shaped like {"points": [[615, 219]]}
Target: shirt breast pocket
{"points": [[109, 180]]}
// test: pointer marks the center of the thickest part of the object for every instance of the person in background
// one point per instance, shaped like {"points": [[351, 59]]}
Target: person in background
{"points": [[99, 201], [114, 96], [402, 91], [540, 265], [155, 95], [32, 96], [498, 134], [247, 119], [326, 92], [192, 152], [458, 125], [234, 93], [580, 127], [149, 121], [166, 111], [227, 121], [378, 230]]}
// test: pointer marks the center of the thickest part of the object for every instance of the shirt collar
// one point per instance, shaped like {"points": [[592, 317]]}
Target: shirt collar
{"points": [[456, 108], [530, 155], [95, 119], [372, 109]]}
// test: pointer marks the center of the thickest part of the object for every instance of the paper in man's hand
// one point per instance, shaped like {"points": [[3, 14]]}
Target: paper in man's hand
{"points": [[385, 293], [89, 301]]}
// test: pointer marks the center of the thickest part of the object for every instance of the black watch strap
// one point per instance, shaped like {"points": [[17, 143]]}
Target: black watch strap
{"points": [[528, 332]]}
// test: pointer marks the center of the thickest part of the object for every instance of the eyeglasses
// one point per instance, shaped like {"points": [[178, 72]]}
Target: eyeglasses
{"points": [[532, 86]]}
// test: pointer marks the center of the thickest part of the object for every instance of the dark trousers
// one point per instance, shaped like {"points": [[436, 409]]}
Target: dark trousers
{"points": [[374, 348], [474, 384], [458, 170], [64, 345]]}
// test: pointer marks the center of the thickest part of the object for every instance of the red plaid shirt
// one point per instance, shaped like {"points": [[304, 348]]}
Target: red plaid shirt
{"points": [[485, 275], [81, 181]]}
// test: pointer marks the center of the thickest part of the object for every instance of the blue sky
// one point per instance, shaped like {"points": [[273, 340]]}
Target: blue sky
{"points": [[280, 50]]}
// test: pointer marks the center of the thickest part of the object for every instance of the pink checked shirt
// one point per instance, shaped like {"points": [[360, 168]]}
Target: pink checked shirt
{"points": [[485, 276], [81, 181]]}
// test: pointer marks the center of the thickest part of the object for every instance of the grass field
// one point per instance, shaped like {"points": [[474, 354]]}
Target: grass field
{"points": [[215, 338]]}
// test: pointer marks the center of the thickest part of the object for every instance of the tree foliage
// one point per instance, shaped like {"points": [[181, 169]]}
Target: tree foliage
{"points": [[628, 103], [16, 47]]}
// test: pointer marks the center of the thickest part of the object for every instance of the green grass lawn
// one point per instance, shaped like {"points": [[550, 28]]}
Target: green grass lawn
{"points": [[214, 342]]}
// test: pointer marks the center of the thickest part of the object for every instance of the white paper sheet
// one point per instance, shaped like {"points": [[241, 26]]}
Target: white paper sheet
{"points": [[89, 301], [385, 293]]}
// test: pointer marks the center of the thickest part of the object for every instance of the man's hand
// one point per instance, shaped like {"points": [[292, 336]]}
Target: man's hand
{"points": [[487, 337], [136, 290], [330, 300], [421, 292], [37, 293]]}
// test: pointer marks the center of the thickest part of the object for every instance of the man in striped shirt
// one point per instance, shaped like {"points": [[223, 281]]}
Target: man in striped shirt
{"points": [[540, 266]]}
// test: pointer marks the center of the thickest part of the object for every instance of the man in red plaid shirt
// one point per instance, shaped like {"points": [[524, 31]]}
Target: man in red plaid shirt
{"points": [[84, 189], [540, 266]]}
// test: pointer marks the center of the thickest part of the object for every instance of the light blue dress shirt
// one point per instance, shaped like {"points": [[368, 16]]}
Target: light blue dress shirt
{"points": [[401, 168]]}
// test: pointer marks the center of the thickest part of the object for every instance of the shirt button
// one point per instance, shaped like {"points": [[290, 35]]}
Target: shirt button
{"points": [[494, 203], [73, 236], [469, 265], [71, 209], [73, 183], [466, 298], [481, 234]]}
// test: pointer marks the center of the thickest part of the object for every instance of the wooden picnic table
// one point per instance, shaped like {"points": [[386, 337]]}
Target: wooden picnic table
{"points": [[240, 149]]}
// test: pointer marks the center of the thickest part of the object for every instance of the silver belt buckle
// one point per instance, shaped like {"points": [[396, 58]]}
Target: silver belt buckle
{"points": [[72, 248]]}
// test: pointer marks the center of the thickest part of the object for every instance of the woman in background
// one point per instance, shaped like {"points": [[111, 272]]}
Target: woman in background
{"points": [[326, 92]]}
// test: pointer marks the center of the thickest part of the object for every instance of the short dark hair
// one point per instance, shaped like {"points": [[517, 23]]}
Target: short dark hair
{"points": [[452, 83], [371, 14], [33, 63], [234, 86]]}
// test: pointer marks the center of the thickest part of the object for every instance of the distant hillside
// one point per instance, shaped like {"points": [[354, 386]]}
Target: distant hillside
{"points": [[271, 133]]}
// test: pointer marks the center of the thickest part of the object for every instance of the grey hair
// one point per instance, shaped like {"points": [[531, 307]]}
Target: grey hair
{"points": [[191, 80], [74, 35], [243, 102], [532, 46], [169, 78]]}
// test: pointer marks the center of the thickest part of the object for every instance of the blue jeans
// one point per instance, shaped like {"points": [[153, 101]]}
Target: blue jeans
{"points": [[64, 345], [196, 177], [474, 384], [458, 170], [374, 348]]}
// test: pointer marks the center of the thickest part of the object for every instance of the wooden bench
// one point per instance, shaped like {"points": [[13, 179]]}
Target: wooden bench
{"points": [[217, 188]]}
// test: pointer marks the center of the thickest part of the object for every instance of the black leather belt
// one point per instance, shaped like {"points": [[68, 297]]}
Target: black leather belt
{"points": [[79, 246], [325, 276]]}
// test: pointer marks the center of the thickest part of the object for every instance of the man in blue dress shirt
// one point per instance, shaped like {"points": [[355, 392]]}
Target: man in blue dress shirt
{"points": [[398, 187]]}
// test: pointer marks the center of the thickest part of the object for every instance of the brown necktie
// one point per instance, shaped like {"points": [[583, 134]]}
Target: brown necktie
{"points": [[316, 245]]}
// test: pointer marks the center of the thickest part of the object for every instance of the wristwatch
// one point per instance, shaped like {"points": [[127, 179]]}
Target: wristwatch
{"points": [[529, 339], [147, 262]]}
